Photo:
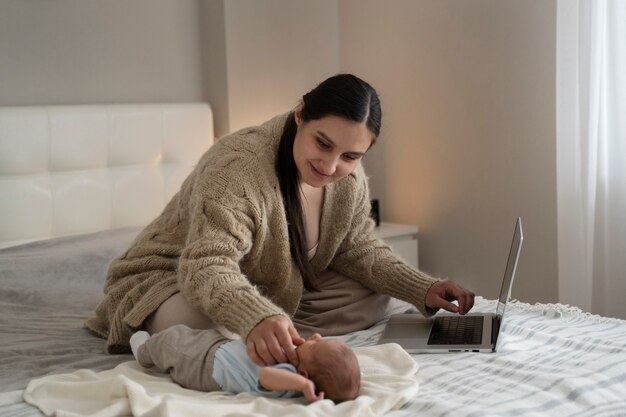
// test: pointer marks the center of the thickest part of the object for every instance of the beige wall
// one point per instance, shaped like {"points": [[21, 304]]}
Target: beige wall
{"points": [[467, 87], [468, 143], [76, 51], [250, 60], [276, 50]]}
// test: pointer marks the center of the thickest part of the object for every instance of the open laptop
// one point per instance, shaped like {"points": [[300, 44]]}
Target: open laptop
{"points": [[455, 333]]}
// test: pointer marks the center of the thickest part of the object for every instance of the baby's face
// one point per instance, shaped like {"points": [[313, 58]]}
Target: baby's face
{"points": [[312, 344], [305, 350]]}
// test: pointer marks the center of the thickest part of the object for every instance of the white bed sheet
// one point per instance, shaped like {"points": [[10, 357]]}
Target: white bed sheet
{"points": [[552, 360]]}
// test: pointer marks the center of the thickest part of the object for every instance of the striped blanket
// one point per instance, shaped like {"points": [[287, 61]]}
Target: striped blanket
{"points": [[552, 360]]}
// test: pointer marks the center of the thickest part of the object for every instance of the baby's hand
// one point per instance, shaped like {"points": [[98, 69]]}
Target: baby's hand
{"points": [[308, 389]]}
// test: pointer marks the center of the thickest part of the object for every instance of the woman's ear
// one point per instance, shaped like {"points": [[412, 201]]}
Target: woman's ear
{"points": [[297, 113]]}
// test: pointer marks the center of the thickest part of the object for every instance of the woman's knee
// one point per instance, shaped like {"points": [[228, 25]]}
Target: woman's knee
{"points": [[176, 310]]}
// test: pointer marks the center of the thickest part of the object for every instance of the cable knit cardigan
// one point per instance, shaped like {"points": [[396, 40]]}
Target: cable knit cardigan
{"points": [[223, 242]]}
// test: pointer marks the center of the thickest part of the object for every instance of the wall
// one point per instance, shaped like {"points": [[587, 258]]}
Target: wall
{"points": [[468, 143], [276, 50], [250, 60], [114, 51], [467, 87]]}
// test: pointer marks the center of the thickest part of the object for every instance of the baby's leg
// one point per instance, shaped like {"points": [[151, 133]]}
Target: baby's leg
{"points": [[186, 353]]}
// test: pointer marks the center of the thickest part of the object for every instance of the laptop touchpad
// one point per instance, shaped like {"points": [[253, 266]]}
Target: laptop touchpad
{"points": [[408, 327], [410, 330]]}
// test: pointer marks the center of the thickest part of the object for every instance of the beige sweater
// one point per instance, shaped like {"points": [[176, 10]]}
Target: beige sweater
{"points": [[223, 242]]}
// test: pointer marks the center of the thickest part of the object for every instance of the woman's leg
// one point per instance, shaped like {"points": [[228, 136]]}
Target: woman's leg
{"points": [[341, 305], [176, 310]]}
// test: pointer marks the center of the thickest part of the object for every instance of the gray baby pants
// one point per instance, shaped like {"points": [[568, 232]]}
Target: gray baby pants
{"points": [[187, 354]]}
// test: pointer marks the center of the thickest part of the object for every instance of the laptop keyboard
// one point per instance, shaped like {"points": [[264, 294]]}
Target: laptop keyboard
{"points": [[457, 330]]}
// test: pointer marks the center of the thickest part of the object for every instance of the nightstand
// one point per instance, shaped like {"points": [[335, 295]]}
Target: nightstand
{"points": [[403, 240]]}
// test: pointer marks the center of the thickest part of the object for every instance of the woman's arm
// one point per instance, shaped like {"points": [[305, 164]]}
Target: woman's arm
{"points": [[367, 259], [209, 273], [273, 379], [221, 232]]}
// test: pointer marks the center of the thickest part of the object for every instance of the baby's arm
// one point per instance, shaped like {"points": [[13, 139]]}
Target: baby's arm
{"points": [[273, 379]]}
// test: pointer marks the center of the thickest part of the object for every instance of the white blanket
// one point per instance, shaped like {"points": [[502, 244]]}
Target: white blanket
{"points": [[388, 382]]}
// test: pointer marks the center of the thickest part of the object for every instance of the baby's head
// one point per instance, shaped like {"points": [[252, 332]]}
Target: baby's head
{"points": [[332, 366]]}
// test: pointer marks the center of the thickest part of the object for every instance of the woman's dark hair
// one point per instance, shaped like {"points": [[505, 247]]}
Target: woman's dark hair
{"points": [[343, 95]]}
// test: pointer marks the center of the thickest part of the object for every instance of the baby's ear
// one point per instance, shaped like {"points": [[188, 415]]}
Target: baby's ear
{"points": [[304, 373]]}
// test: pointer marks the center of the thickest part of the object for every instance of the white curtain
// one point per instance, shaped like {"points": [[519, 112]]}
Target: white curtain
{"points": [[591, 154]]}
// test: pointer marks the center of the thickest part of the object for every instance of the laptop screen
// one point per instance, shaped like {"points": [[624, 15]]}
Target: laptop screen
{"points": [[509, 272]]}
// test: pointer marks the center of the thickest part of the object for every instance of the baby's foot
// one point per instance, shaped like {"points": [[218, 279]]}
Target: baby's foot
{"points": [[137, 341]]}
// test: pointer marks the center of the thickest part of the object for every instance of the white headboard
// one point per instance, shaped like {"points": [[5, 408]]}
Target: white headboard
{"points": [[76, 169]]}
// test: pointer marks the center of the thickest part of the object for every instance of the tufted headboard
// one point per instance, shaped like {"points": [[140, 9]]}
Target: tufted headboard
{"points": [[76, 169]]}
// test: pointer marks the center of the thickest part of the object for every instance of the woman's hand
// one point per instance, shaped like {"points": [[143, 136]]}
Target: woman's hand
{"points": [[272, 341], [441, 293]]}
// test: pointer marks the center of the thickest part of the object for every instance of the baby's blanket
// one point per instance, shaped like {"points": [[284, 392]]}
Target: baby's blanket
{"points": [[387, 383]]}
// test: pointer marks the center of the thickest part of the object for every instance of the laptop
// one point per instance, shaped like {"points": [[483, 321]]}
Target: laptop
{"points": [[446, 333]]}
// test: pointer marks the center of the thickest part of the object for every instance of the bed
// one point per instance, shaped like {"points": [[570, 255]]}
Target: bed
{"points": [[78, 182]]}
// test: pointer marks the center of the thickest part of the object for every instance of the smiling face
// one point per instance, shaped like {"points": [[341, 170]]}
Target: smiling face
{"points": [[327, 149]]}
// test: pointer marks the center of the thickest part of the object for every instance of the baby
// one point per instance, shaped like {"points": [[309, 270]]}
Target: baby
{"points": [[207, 361]]}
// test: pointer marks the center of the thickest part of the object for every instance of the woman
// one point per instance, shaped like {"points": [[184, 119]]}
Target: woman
{"points": [[273, 223]]}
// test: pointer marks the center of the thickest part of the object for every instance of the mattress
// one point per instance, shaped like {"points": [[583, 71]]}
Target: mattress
{"points": [[552, 359]]}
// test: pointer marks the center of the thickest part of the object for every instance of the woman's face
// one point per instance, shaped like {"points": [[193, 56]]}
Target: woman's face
{"points": [[328, 149]]}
